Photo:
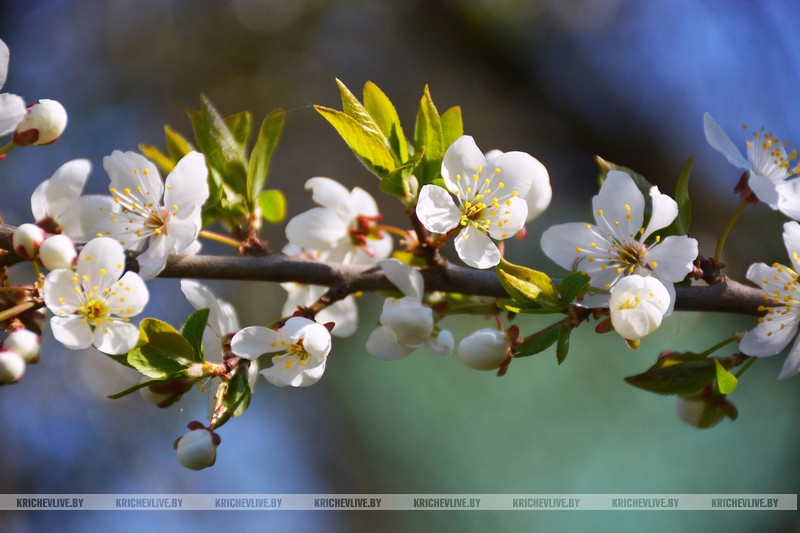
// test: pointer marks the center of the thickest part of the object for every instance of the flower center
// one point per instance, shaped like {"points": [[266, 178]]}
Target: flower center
{"points": [[295, 354], [94, 311]]}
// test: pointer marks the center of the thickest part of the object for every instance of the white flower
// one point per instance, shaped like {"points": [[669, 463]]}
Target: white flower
{"points": [[24, 342], [343, 313], [637, 306], [57, 251], [57, 204], [767, 166], [304, 346], [12, 107], [198, 448], [484, 349], [26, 240], [12, 367], [93, 304], [342, 226], [618, 245], [157, 217], [779, 326], [222, 320], [406, 323], [489, 199], [43, 124], [540, 193]]}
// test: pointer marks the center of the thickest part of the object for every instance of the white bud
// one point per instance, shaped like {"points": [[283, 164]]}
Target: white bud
{"points": [[483, 350], [442, 345], [24, 342], [637, 305], [698, 412], [43, 124], [57, 251], [411, 322], [197, 449], [26, 240], [12, 367]]}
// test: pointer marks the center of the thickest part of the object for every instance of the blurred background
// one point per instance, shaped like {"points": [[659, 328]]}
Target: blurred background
{"points": [[561, 79]]}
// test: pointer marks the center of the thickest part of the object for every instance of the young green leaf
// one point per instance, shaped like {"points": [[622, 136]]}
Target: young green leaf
{"points": [[141, 385], [397, 181], [162, 160], [681, 224], [452, 126], [381, 109], [240, 126], [258, 166], [678, 377], [572, 286], [194, 328], [236, 400], [562, 346], [428, 133], [353, 108], [177, 145], [272, 204], [525, 284], [538, 342], [162, 351], [368, 147], [726, 382]]}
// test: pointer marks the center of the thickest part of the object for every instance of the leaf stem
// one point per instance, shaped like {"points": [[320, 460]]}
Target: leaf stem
{"points": [[218, 237], [7, 148], [717, 346], [745, 366], [728, 227]]}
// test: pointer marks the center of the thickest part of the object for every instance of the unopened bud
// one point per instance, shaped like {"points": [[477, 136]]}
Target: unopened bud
{"points": [[483, 350], [25, 343], [165, 393], [57, 251], [12, 367], [43, 124], [699, 411], [26, 240], [198, 448]]}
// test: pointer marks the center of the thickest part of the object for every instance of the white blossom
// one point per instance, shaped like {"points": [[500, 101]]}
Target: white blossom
{"points": [[26, 240], [484, 349], [406, 323], [93, 304], [303, 344], [540, 194], [618, 245], [779, 326], [342, 226], [44, 123], [57, 251], [197, 449], [12, 107], [155, 217], [489, 199], [637, 305], [768, 166]]}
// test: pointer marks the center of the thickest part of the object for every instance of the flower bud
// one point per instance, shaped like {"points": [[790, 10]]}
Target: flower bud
{"points": [[26, 240], [165, 393], [699, 411], [43, 124], [12, 367], [25, 343], [637, 305], [198, 448], [411, 322], [57, 251], [483, 350]]}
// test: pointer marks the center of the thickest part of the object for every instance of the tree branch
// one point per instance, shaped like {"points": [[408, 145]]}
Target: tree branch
{"points": [[727, 296]]}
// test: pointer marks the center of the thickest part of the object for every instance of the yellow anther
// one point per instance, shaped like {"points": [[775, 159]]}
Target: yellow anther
{"points": [[599, 212]]}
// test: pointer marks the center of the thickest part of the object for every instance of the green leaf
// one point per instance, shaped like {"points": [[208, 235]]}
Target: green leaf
{"points": [[381, 109], [452, 126], [525, 284], [726, 382], [141, 385], [258, 166], [353, 109], [572, 286], [223, 151], [177, 145], [684, 219], [531, 308], [684, 374], [158, 157], [272, 203], [194, 328], [162, 351], [368, 147], [428, 133], [538, 342], [641, 182], [397, 181], [237, 398], [562, 347], [240, 126]]}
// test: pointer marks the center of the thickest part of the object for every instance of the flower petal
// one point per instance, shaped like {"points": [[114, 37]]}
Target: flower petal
{"points": [[59, 292], [71, 331], [4, 56], [507, 220], [184, 231], [672, 259], [791, 366], [462, 158], [115, 337], [254, 341], [187, 184], [570, 246], [52, 197], [382, 343], [723, 144], [344, 314], [318, 228], [476, 249], [330, 193], [539, 195], [201, 297], [316, 338], [619, 207], [12, 111], [442, 345], [765, 189], [404, 277], [129, 170], [363, 202], [516, 171], [436, 209], [791, 239], [664, 211], [769, 338], [282, 375], [129, 296], [87, 216], [410, 321], [789, 198], [154, 258], [100, 264]]}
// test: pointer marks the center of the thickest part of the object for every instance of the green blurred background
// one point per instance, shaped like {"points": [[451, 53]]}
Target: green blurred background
{"points": [[562, 80]]}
